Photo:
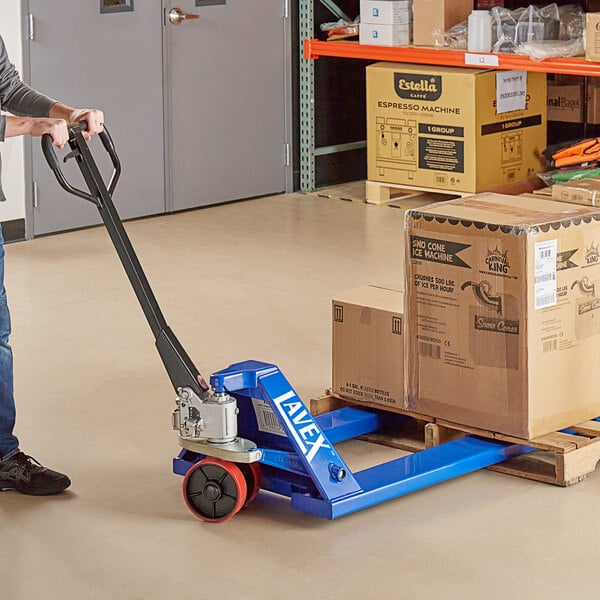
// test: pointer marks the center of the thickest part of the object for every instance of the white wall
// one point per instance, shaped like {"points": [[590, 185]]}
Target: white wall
{"points": [[13, 169]]}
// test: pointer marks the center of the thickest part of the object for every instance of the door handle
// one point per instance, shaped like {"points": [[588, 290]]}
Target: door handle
{"points": [[176, 16]]}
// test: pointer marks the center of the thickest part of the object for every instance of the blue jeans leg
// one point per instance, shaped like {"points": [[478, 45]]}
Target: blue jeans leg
{"points": [[8, 442]]}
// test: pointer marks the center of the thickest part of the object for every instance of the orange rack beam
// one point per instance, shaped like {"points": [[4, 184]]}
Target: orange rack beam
{"points": [[454, 58]]}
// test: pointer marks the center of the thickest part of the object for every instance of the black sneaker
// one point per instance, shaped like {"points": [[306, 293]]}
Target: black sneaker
{"points": [[25, 474]]}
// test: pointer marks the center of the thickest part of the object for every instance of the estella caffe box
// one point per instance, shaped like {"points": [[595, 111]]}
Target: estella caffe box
{"points": [[503, 313], [438, 127]]}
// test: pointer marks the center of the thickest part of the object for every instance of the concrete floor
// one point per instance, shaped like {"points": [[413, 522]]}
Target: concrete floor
{"points": [[248, 280]]}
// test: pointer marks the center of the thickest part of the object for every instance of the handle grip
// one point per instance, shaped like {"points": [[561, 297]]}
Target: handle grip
{"points": [[48, 147], [49, 153], [78, 146]]}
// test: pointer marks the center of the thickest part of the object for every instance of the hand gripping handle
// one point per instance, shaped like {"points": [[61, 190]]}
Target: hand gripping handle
{"points": [[77, 143]]}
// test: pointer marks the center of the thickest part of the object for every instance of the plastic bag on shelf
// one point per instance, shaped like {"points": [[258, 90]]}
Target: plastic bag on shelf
{"points": [[543, 49], [550, 16], [530, 26], [551, 31], [504, 30], [455, 37], [572, 22], [341, 29]]}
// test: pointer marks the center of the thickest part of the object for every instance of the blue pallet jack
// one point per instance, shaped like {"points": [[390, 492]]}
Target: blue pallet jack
{"points": [[248, 430]]}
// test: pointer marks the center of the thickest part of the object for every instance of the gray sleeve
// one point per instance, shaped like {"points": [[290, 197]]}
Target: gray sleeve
{"points": [[17, 97]]}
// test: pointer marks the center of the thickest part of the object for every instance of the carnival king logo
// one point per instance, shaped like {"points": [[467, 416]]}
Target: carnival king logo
{"points": [[497, 261], [592, 254]]}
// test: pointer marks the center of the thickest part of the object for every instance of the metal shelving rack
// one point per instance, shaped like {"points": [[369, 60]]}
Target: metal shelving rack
{"points": [[308, 151], [312, 49]]}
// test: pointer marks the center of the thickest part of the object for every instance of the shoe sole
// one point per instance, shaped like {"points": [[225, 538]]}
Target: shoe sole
{"points": [[5, 487]]}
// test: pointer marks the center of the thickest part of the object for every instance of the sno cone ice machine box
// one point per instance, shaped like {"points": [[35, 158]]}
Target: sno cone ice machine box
{"points": [[502, 312]]}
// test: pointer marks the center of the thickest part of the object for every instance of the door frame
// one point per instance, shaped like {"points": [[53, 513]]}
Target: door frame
{"points": [[27, 140], [287, 95]]}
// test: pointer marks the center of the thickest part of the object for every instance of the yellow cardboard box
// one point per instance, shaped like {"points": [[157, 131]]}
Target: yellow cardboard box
{"points": [[592, 37], [437, 127]]}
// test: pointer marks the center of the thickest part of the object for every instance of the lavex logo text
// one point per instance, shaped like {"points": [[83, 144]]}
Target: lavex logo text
{"points": [[497, 261], [305, 430], [592, 254], [418, 87]]}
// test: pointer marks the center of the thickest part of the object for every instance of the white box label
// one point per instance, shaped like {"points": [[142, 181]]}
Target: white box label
{"points": [[484, 60], [545, 273], [511, 91]]}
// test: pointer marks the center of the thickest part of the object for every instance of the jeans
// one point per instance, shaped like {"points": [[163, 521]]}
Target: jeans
{"points": [[8, 442]]}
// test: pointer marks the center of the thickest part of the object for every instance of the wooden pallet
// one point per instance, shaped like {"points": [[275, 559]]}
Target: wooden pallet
{"points": [[377, 192], [559, 458]]}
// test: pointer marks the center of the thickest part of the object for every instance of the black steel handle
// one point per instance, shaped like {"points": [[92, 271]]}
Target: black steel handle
{"points": [[49, 152], [109, 146], [48, 147], [180, 368], [54, 163]]}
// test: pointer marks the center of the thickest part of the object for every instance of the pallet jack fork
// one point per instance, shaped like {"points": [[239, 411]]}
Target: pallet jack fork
{"points": [[248, 430]]}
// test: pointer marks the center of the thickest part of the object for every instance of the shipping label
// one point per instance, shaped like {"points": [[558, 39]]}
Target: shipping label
{"points": [[545, 254]]}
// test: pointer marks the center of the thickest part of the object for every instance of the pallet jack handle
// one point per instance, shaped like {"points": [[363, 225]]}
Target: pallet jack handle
{"points": [[179, 367]]}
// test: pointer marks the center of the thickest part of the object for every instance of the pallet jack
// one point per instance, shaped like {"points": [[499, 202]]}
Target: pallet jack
{"points": [[248, 430]]}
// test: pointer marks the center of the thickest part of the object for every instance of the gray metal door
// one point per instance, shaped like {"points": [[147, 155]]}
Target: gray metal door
{"points": [[200, 111], [111, 61], [226, 92]]}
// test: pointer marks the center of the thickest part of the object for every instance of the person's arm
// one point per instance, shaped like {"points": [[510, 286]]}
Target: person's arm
{"points": [[36, 127], [38, 114], [60, 116]]}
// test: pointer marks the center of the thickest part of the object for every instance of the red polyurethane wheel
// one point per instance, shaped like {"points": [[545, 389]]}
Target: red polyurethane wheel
{"points": [[253, 474], [214, 490]]}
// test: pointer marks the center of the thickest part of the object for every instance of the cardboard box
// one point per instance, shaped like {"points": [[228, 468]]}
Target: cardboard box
{"points": [[384, 35], [584, 191], [503, 313], [437, 127], [564, 103], [593, 102], [386, 12], [432, 15], [592, 37], [368, 345]]}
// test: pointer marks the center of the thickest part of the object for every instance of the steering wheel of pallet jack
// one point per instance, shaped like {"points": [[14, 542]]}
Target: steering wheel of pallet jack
{"points": [[214, 490]]}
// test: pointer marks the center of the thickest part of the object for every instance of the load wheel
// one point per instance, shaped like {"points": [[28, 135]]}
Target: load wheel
{"points": [[253, 476], [214, 490]]}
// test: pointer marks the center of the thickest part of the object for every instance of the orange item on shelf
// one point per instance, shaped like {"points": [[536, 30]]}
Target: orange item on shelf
{"points": [[581, 152]]}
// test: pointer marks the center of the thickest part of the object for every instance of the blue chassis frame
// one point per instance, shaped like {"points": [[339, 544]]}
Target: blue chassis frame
{"points": [[299, 459]]}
